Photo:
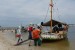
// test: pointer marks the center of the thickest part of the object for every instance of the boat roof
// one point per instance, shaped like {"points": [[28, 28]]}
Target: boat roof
{"points": [[54, 22]]}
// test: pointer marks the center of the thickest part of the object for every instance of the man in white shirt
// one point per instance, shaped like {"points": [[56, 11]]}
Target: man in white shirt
{"points": [[19, 34]]}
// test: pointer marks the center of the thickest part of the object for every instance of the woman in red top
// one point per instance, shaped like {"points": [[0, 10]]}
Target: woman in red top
{"points": [[30, 28]]}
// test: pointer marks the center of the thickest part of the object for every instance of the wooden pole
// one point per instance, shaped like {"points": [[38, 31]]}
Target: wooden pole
{"points": [[51, 5]]}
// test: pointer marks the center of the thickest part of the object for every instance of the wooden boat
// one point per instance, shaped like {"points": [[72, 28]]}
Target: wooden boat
{"points": [[61, 33]]}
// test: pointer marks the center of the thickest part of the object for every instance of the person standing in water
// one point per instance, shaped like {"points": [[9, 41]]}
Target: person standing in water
{"points": [[36, 37]]}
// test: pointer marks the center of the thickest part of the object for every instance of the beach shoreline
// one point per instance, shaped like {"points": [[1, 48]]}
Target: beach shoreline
{"points": [[8, 44]]}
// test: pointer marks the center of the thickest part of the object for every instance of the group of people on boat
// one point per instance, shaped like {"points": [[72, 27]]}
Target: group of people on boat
{"points": [[59, 27], [60, 30], [34, 34]]}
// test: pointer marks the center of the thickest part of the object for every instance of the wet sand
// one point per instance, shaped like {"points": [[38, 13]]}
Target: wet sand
{"points": [[8, 39], [7, 42]]}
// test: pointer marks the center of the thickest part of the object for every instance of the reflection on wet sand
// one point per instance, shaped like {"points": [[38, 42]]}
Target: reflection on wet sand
{"points": [[57, 45]]}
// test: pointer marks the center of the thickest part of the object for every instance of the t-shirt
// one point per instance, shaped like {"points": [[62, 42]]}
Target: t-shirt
{"points": [[35, 33], [30, 28], [19, 31]]}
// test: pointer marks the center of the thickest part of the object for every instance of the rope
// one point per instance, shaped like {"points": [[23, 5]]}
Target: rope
{"points": [[46, 17], [58, 14], [46, 14], [57, 11]]}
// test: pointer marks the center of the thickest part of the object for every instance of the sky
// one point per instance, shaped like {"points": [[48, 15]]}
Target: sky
{"points": [[24, 12]]}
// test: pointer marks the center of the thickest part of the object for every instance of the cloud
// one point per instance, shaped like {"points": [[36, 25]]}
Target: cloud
{"points": [[31, 10]]}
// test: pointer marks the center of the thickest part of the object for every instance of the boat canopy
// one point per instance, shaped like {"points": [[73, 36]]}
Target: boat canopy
{"points": [[54, 22]]}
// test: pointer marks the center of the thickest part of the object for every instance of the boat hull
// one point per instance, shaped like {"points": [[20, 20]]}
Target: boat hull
{"points": [[54, 36]]}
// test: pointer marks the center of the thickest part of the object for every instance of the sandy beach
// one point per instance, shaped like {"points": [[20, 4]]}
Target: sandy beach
{"points": [[7, 42], [4, 44], [8, 39]]}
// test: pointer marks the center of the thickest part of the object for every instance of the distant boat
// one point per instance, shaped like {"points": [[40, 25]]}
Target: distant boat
{"points": [[58, 30]]}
